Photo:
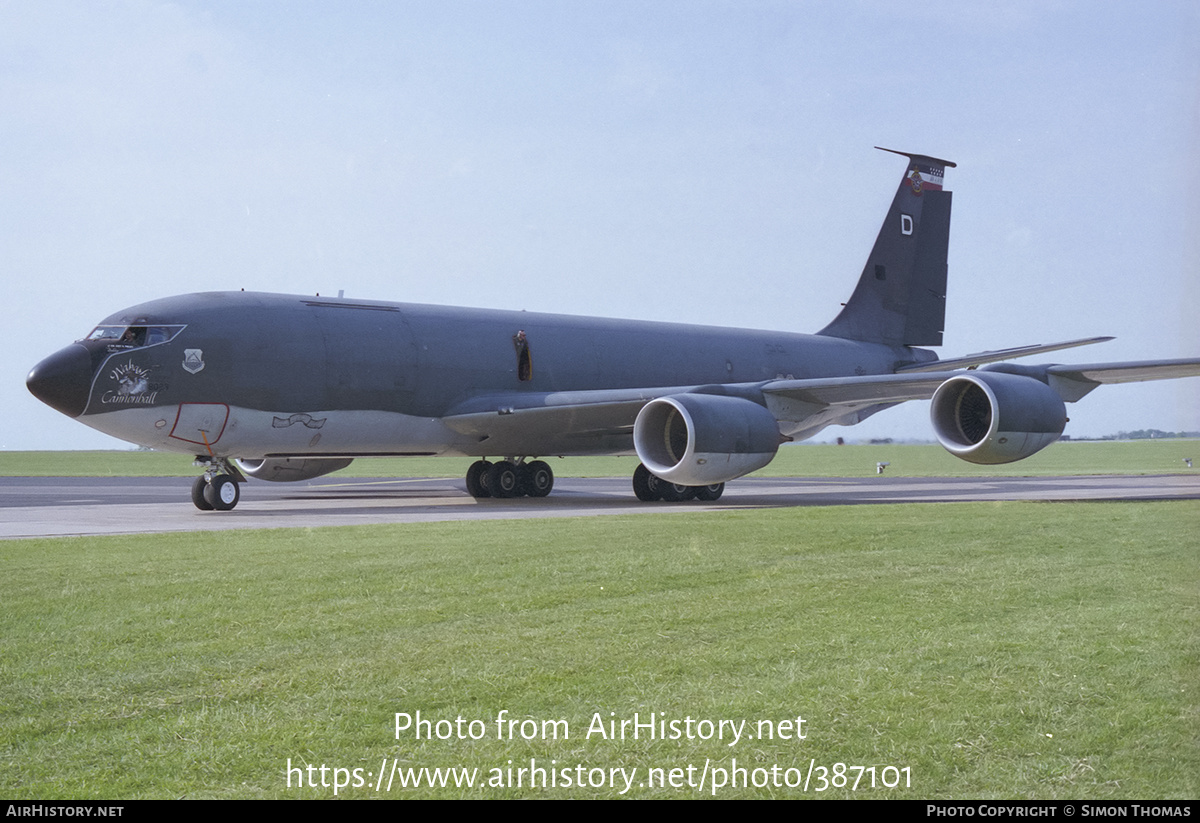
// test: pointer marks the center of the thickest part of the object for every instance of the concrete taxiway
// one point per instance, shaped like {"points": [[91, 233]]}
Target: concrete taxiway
{"points": [[64, 506]]}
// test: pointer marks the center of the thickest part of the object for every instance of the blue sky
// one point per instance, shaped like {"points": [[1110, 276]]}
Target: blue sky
{"points": [[706, 162]]}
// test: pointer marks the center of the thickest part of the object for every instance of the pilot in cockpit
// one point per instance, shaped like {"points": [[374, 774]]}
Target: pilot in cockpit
{"points": [[134, 336]]}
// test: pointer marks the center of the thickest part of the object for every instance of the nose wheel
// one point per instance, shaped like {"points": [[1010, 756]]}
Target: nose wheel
{"points": [[215, 490]]}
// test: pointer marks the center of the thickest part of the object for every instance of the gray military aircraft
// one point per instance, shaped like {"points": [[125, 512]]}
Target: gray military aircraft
{"points": [[280, 387]]}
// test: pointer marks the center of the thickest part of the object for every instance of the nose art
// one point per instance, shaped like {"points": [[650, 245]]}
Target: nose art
{"points": [[63, 380]]}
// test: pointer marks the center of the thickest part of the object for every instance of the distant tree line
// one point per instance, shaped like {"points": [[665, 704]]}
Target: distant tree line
{"points": [[1149, 434]]}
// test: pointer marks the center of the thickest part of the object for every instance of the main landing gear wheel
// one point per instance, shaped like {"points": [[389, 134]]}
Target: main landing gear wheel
{"points": [[477, 479], [646, 486], [538, 478], [650, 487], [509, 479], [199, 485], [503, 480], [220, 492], [676, 492]]}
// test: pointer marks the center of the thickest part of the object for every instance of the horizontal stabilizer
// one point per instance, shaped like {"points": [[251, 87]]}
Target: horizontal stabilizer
{"points": [[930, 169]]}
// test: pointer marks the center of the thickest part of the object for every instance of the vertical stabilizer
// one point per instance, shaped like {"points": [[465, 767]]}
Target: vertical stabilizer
{"points": [[900, 299]]}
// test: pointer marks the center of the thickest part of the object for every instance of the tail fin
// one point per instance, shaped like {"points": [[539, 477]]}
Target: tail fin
{"points": [[901, 296]]}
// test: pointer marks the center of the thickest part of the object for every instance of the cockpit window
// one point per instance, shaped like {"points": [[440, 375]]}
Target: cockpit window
{"points": [[134, 336]]}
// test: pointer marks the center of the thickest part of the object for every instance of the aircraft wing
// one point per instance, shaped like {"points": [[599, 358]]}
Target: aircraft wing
{"points": [[614, 410], [1130, 372], [602, 420], [879, 388], [1070, 381], [979, 358], [575, 422], [1074, 381]]}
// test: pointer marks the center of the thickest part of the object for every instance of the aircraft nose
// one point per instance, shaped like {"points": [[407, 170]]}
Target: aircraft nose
{"points": [[63, 380]]}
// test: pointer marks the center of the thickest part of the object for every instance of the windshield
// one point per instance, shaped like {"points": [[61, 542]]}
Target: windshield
{"points": [[134, 336]]}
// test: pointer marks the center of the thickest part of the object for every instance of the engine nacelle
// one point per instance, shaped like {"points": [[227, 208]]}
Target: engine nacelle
{"points": [[702, 439], [993, 417], [290, 469]]}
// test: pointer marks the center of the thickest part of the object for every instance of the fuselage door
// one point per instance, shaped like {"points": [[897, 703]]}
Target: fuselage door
{"points": [[200, 423]]}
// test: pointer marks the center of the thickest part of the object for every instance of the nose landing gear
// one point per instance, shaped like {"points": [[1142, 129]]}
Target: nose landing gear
{"points": [[217, 489]]}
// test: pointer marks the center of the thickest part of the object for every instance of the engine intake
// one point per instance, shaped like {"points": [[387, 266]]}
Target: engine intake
{"points": [[704, 439], [993, 417], [291, 469]]}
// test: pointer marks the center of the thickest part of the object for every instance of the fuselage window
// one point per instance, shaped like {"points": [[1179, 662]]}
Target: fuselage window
{"points": [[106, 333], [524, 361], [156, 335]]}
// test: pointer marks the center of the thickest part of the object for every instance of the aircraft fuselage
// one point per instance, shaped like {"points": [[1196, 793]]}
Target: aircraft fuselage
{"points": [[250, 375]]}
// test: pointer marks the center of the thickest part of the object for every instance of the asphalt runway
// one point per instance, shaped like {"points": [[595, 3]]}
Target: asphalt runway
{"points": [[64, 506]]}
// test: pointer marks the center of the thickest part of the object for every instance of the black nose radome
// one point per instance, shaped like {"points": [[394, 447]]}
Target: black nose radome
{"points": [[63, 380]]}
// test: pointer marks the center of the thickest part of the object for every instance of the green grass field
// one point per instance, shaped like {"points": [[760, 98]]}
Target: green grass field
{"points": [[1011, 650], [1092, 457]]}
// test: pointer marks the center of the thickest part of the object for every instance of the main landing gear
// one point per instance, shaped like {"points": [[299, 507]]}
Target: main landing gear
{"points": [[516, 478], [217, 489], [649, 487], [509, 478]]}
